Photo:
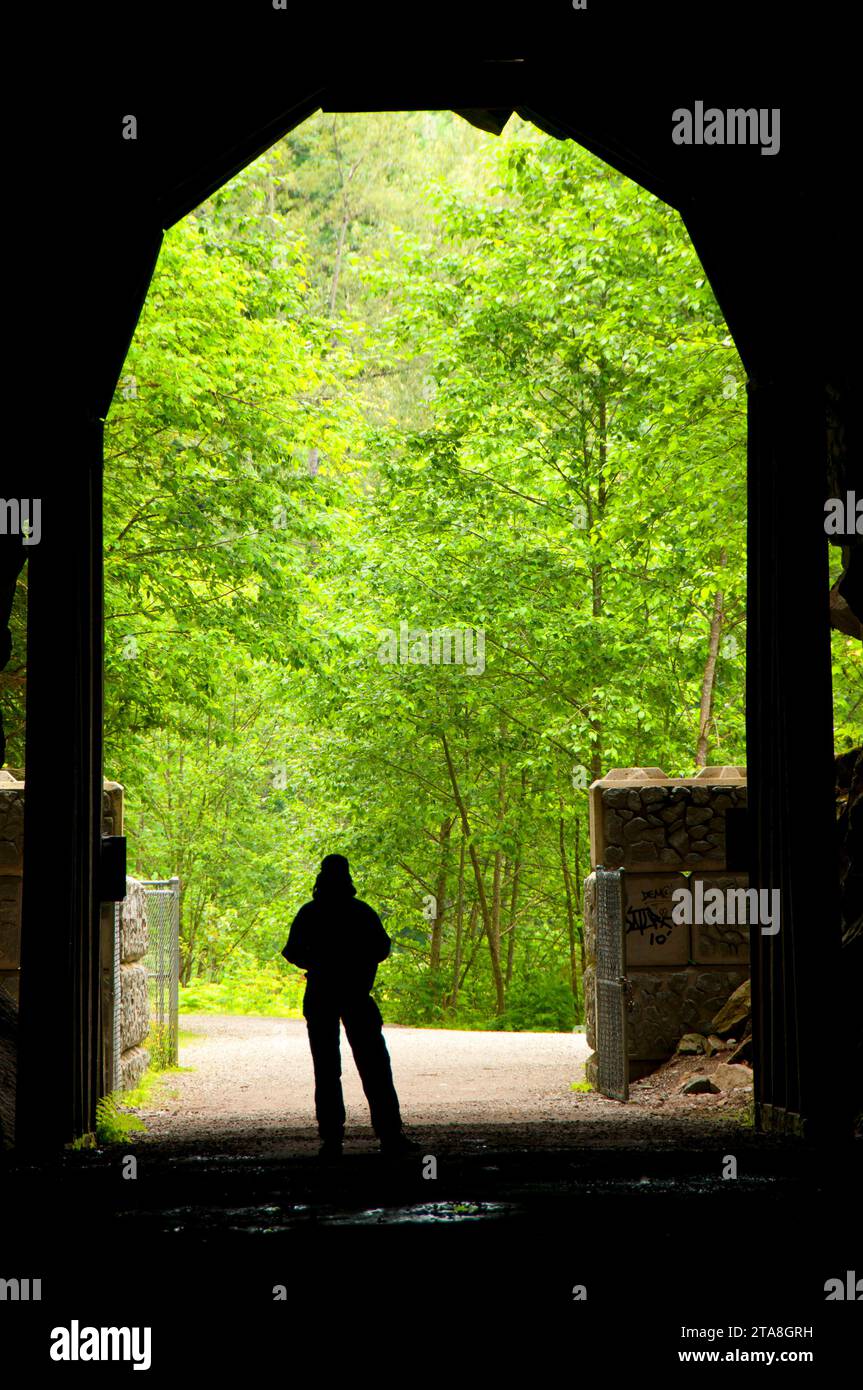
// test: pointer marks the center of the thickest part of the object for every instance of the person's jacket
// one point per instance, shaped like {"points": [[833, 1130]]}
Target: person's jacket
{"points": [[338, 940]]}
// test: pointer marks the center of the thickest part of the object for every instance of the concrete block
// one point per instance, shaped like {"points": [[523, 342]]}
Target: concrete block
{"points": [[652, 938], [716, 943]]}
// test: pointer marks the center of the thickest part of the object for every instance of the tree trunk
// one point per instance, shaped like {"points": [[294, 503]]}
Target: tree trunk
{"points": [[440, 907], [476, 937], [493, 945], [708, 679], [459, 930], [570, 911], [513, 901], [346, 217], [579, 892], [596, 573]]}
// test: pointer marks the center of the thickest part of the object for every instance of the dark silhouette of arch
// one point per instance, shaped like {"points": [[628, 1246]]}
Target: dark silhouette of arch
{"points": [[777, 249]]}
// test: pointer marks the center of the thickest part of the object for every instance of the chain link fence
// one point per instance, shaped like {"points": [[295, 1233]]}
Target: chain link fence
{"points": [[163, 968]]}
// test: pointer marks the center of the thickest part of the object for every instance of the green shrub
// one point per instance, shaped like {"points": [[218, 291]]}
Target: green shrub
{"points": [[113, 1123], [540, 1004], [248, 988]]}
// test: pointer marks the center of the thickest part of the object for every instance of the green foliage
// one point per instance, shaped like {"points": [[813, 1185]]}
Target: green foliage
{"points": [[742, 1117], [541, 1003], [159, 1044], [113, 1122], [83, 1141], [501, 398], [266, 989]]}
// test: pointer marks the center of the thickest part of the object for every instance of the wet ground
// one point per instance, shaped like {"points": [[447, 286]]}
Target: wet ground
{"points": [[580, 1229], [483, 1255]]}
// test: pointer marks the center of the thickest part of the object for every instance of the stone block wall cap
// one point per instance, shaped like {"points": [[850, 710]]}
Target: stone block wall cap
{"points": [[651, 777], [634, 774], [112, 786], [721, 774]]}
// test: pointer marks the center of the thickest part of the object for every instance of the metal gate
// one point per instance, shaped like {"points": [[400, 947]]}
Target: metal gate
{"points": [[612, 1053], [163, 967]]}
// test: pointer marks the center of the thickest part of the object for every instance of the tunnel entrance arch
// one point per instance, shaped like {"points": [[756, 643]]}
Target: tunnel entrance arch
{"points": [[738, 216]]}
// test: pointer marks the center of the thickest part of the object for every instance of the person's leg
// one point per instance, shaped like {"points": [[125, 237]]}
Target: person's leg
{"points": [[323, 1026], [364, 1027]]}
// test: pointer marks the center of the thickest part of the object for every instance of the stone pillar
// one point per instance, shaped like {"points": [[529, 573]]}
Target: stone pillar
{"points": [[134, 994], [59, 1024], [11, 870], [112, 824], [666, 833], [129, 977], [11, 867]]}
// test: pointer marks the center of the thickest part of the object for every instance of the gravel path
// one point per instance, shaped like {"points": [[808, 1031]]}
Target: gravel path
{"points": [[256, 1073], [250, 1087]]}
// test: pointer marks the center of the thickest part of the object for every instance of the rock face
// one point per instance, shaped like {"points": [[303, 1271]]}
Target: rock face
{"points": [[730, 1078], [699, 1085], [743, 1051], [735, 1012]]}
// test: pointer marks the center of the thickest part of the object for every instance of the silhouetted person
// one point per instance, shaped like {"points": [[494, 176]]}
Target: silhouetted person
{"points": [[339, 940]]}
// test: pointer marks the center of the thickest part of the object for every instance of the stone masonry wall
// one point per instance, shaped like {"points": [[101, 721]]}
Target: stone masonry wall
{"points": [[132, 984], [127, 975], [11, 870], [655, 828], [133, 981], [641, 819], [134, 996]]}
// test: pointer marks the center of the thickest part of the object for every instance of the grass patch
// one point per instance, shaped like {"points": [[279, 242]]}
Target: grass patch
{"points": [[158, 1044], [744, 1118], [580, 1086]]}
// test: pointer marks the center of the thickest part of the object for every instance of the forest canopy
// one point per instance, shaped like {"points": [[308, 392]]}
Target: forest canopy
{"points": [[399, 390]]}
